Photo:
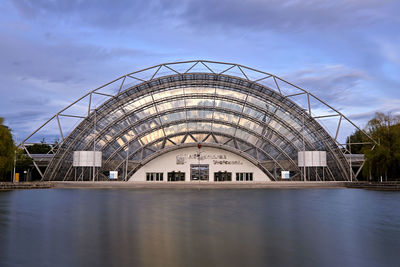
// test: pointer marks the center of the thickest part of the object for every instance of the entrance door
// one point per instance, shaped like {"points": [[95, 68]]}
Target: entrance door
{"points": [[199, 172], [222, 176], [176, 176]]}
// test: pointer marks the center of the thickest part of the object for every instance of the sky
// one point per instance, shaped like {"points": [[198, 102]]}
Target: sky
{"points": [[347, 52]]}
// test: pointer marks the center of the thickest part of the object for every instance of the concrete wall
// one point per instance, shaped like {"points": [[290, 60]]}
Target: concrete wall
{"points": [[218, 160]]}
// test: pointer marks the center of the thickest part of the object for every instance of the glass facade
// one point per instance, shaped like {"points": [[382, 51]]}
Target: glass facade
{"points": [[246, 118]]}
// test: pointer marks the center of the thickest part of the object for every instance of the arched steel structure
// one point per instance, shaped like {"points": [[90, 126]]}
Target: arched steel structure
{"points": [[176, 105]]}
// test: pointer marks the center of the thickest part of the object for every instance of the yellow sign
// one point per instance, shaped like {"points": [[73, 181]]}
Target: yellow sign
{"points": [[16, 179]]}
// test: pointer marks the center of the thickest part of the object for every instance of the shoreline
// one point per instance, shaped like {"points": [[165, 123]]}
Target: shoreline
{"points": [[197, 185], [391, 186]]}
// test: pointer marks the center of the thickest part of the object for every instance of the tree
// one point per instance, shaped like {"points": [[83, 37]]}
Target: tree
{"points": [[41, 148], [23, 162], [356, 141], [7, 150], [384, 160]]}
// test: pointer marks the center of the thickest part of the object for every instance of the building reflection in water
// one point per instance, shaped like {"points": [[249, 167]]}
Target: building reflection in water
{"points": [[81, 227]]}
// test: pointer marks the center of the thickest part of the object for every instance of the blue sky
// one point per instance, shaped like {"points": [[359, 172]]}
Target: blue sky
{"points": [[347, 52]]}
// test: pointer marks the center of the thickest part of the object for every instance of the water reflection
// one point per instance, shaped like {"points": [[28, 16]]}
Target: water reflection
{"points": [[87, 227]]}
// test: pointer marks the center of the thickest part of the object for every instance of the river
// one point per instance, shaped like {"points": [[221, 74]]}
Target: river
{"points": [[191, 227]]}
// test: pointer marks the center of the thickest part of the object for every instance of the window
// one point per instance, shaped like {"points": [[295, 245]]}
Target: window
{"points": [[154, 176], [222, 176], [176, 176], [244, 176]]}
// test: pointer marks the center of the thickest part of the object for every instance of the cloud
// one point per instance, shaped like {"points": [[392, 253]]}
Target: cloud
{"points": [[100, 13], [38, 101], [58, 66], [337, 85], [363, 116], [34, 73], [391, 105], [289, 16], [23, 116], [62, 49], [383, 105], [391, 51], [292, 16]]}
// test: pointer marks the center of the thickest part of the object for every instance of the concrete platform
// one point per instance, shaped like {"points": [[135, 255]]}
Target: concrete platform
{"points": [[25, 185], [196, 185], [387, 186]]}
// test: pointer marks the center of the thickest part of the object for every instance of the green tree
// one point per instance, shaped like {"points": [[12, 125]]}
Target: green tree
{"points": [[41, 148], [354, 142], [7, 150], [24, 162], [384, 160]]}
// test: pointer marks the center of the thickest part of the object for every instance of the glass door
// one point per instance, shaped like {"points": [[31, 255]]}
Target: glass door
{"points": [[199, 172]]}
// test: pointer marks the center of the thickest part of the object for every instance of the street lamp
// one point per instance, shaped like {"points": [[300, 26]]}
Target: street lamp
{"points": [[15, 158], [304, 146], [198, 165], [94, 143]]}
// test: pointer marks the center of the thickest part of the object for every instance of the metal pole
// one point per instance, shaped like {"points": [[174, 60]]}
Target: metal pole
{"points": [[198, 165], [304, 150], [126, 164], [94, 146], [351, 169], [15, 162], [15, 158]]}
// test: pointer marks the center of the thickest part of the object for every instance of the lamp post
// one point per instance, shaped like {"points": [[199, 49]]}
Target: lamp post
{"points": [[94, 145], [15, 158], [198, 165], [15, 163], [351, 168], [304, 148], [126, 163]]}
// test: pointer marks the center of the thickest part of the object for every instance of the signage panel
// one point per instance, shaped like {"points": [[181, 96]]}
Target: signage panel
{"points": [[86, 158], [311, 158], [113, 175], [285, 175]]}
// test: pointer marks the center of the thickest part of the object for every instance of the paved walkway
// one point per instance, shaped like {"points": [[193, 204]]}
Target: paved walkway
{"points": [[195, 185], [393, 186]]}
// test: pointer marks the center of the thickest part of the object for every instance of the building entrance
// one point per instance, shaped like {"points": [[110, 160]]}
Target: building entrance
{"points": [[176, 176], [222, 176], [199, 172]]}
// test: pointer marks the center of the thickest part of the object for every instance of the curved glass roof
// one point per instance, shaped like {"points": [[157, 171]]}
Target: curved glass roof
{"points": [[185, 109]]}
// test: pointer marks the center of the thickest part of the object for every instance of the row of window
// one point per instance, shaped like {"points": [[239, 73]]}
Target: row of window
{"points": [[244, 176], [154, 176], [180, 176]]}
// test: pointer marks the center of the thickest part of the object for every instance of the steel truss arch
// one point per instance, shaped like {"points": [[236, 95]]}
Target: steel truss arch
{"points": [[186, 75]]}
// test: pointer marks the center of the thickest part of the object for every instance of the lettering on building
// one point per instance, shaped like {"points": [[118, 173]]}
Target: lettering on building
{"points": [[218, 159]]}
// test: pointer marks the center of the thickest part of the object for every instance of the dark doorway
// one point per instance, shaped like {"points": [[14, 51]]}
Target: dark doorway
{"points": [[176, 176], [222, 176], [199, 172]]}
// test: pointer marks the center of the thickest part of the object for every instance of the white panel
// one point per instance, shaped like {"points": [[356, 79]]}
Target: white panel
{"points": [[315, 158], [311, 158], [308, 159], [86, 158], [113, 174], [300, 158], [76, 159], [322, 158], [285, 175]]}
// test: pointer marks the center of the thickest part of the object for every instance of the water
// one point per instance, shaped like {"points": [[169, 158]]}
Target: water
{"points": [[150, 227]]}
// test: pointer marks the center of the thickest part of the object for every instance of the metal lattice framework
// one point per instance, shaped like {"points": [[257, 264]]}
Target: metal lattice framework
{"points": [[146, 113]]}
